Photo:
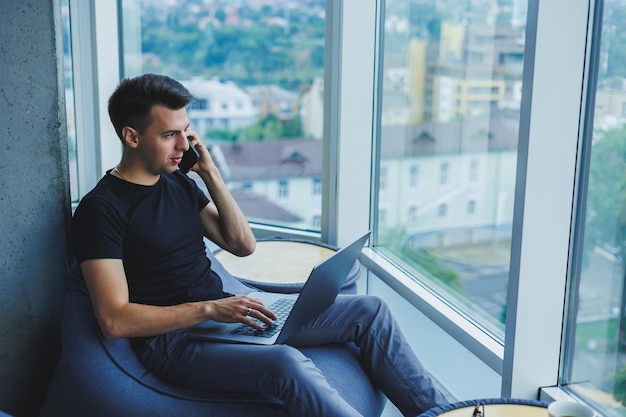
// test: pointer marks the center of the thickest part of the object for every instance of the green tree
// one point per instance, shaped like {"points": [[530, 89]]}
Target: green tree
{"points": [[605, 225], [425, 19], [223, 135], [268, 128], [619, 389], [220, 15], [293, 128], [174, 42], [396, 239], [431, 264], [607, 179], [615, 38]]}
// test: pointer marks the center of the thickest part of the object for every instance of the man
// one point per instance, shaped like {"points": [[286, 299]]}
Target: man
{"points": [[138, 236]]}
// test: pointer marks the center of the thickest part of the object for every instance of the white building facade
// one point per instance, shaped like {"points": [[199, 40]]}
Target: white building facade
{"points": [[219, 106]]}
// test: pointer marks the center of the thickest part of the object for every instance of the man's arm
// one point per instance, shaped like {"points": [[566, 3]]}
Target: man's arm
{"points": [[118, 317], [224, 222]]}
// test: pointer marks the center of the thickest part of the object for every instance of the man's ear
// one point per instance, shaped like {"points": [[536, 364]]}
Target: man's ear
{"points": [[130, 136]]}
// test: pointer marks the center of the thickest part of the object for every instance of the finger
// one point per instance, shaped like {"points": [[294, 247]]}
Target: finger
{"points": [[192, 135], [254, 324], [269, 320], [195, 141], [266, 317], [268, 313], [264, 311], [248, 319]]}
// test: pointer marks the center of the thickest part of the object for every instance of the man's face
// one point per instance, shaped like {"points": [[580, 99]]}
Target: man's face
{"points": [[163, 143]]}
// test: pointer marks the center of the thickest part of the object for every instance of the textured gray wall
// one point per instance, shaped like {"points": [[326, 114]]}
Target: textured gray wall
{"points": [[34, 200]]}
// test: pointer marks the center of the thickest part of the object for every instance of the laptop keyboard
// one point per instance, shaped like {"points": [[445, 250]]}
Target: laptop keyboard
{"points": [[281, 308]]}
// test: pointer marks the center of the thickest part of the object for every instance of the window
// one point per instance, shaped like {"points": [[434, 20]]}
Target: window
{"points": [[432, 117], [283, 189], [382, 179], [444, 169], [239, 60], [595, 342], [442, 210], [471, 206], [473, 175], [317, 221], [412, 214], [199, 104], [317, 186], [464, 114], [413, 176]]}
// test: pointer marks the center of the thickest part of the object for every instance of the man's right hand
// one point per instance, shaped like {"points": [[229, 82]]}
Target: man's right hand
{"points": [[241, 309]]}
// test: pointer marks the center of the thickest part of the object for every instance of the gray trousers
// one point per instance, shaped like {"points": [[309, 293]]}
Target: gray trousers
{"points": [[284, 372]]}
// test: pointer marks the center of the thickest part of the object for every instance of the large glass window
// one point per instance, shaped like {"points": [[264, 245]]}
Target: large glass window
{"points": [[256, 69], [451, 79], [595, 365]]}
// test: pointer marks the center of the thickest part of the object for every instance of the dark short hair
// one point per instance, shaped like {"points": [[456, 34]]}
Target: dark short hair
{"points": [[132, 101]]}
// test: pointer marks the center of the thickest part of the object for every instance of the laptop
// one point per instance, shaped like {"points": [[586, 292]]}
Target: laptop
{"points": [[319, 291]]}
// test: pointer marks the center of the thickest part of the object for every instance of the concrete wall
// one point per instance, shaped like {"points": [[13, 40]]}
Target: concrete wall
{"points": [[34, 200]]}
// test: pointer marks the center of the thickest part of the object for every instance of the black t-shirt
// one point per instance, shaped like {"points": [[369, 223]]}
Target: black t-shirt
{"points": [[156, 231]]}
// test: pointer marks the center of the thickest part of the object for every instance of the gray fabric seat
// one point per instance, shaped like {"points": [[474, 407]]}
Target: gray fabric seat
{"points": [[100, 377]]}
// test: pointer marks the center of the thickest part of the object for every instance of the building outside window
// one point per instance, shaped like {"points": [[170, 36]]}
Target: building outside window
{"points": [[463, 63]]}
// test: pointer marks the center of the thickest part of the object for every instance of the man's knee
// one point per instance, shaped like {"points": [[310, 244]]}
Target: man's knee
{"points": [[291, 368], [290, 361], [371, 305]]}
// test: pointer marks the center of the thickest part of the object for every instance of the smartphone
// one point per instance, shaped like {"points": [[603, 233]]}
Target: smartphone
{"points": [[190, 157]]}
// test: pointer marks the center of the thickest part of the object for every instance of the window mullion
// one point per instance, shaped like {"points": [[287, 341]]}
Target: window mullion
{"points": [[348, 122], [549, 129]]}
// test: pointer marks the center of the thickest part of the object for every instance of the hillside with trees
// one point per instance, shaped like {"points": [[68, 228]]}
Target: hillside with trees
{"points": [[274, 44]]}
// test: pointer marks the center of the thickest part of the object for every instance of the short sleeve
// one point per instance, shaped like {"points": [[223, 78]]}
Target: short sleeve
{"points": [[199, 188], [97, 230], [203, 200]]}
